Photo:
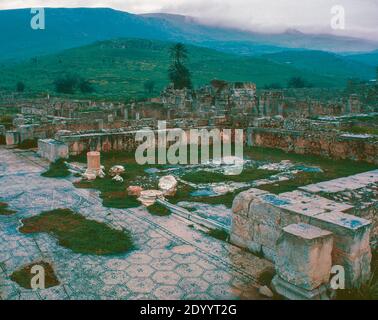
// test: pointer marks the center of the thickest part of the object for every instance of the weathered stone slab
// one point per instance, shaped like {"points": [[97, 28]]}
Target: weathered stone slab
{"points": [[351, 244], [304, 256], [52, 149]]}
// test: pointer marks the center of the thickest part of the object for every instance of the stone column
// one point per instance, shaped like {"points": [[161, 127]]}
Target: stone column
{"points": [[126, 114], [303, 262], [94, 161]]}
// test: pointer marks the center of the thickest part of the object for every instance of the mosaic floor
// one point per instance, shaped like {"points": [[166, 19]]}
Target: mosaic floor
{"points": [[172, 260]]}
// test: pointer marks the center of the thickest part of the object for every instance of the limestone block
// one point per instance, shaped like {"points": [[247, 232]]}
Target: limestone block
{"points": [[304, 256], [292, 292], [134, 191], [168, 184], [266, 235], [12, 138], [351, 244], [240, 226], [264, 213], [149, 197], [242, 201], [52, 150], [26, 132]]}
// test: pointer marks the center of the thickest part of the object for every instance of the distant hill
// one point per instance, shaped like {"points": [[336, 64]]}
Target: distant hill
{"points": [[325, 64], [370, 58], [69, 28], [119, 68]]}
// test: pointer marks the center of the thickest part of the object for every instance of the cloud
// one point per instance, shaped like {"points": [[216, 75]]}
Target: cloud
{"points": [[254, 15]]}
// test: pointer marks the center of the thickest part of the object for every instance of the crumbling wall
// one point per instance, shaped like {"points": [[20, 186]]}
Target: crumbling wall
{"points": [[332, 145]]}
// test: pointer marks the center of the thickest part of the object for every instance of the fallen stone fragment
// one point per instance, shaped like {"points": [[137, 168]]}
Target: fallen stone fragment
{"points": [[266, 292], [134, 191], [168, 185]]}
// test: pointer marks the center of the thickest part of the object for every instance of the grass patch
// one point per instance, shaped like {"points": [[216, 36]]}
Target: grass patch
{"points": [[79, 234], [113, 194], [362, 130], [158, 210], [248, 174], [332, 169], [28, 144], [4, 211], [218, 234], [57, 169], [24, 276]]}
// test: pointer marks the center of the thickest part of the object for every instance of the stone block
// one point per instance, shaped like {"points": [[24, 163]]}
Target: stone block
{"points": [[241, 228], [52, 150], [264, 213], [26, 132], [304, 256], [242, 201], [351, 244], [292, 292], [2, 130], [266, 235], [12, 138]]}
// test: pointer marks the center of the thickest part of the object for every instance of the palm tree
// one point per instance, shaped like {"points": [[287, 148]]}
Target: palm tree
{"points": [[178, 73], [179, 53]]}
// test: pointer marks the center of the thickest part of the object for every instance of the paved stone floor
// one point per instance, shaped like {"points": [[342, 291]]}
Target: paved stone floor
{"points": [[172, 260]]}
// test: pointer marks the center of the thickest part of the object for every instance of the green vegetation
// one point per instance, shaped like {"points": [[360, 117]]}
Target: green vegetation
{"points": [[218, 234], [28, 144], [248, 174], [57, 169], [178, 73], [332, 169], [362, 130], [114, 195], [4, 211], [20, 86], [24, 275], [79, 234], [70, 83], [158, 210], [118, 69]]}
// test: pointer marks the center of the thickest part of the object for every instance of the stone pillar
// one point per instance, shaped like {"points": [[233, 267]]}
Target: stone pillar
{"points": [[12, 138], [100, 124], [137, 116], [303, 262], [94, 169], [126, 114], [351, 245], [94, 161]]}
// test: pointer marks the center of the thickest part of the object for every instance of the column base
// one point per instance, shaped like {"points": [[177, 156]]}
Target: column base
{"points": [[292, 292]]}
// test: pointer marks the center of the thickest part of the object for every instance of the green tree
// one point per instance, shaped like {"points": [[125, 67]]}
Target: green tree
{"points": [[178, 73], [85, 86], [20, 87], [149, 86], [66, 84]]}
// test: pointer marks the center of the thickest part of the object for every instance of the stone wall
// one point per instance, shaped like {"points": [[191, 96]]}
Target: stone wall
{"points": [[333, 145], [259, 219]]}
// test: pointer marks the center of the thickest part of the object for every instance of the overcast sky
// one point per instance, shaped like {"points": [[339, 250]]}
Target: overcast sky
{"points": [[257, 15]]}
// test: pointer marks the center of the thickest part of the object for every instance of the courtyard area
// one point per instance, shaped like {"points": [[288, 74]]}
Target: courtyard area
{"points": [[172, 258]]}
